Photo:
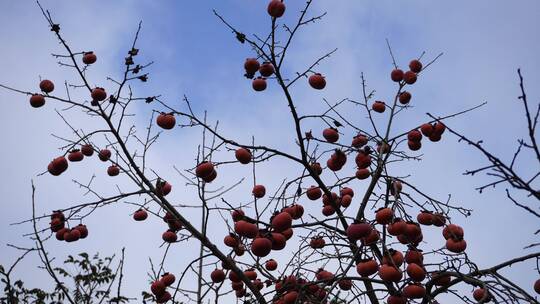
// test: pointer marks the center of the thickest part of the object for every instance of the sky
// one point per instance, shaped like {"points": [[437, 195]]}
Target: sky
{"points": [[483, 42]]}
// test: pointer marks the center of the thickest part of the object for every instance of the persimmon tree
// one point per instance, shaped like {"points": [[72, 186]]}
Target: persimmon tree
{"points": [[360, 243]]}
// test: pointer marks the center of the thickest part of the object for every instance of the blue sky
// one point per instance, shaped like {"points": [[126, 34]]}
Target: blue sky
{"points": [[484, 42]]}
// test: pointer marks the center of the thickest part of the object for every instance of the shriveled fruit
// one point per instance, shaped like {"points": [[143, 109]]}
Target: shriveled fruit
{"points": [[282, 221], [237, 214], [359, 141], [113, 170], [250, 274], [316, 167], [337, 160], [72, 235], [314, 193], [366, 268], [317, 242], [261, 246], [328, 210], [158, 288], [362, 173], [169, 236], [439, 279], [37, 100], [58, 214], [211, 177], [296, 211], [425, 218], [140, 215], [57, 166], [414, 256], [389, 273], [259, 84], [291, 281], [243, 155], [231, 241], [333, 164], [363, 160], [378, 106], [271, 265], [204, 169], [276, 8], [290, 297], [396, 299], [435, 137], [163, 188], [75, 156], [165, 297], [409, 77], [393, 257], [453, 230], [258, 284], [322, 274], [173, 223], [414, 291], [104, 154], [98, 94], [171, 220], [166, 121], [415, 66], [413, 230], [439, 128], [372, 238], [60, 234], [456, 245], [384, 216], [331, 135], [397, 75], [168, 278], [414, 135], [416, 272], [246, 229], [87, 150], [251, 66], [346, 191], [439, 219], [427, 129], [321, 293], [405, 97], [408, 240], [56, 224], [414, 145], [46, 86], [317, 81], [89, 58], [397, 227], [358, 230], [83, 230], [346, 201], [481, 293], [258, 191], [288, 233], [266, 69]]}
